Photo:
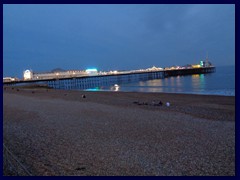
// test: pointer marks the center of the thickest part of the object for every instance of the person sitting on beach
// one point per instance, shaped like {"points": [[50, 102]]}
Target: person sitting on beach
{"points": [[160, 103]]}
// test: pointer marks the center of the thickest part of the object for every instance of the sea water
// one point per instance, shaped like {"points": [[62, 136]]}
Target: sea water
{"points": [[221, 82]]}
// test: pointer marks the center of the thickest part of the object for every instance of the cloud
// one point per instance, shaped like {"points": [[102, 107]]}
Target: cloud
{"points": [[116, 36]]}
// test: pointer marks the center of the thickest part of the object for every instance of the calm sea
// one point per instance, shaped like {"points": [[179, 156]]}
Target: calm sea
{"points": [[222, 82]]}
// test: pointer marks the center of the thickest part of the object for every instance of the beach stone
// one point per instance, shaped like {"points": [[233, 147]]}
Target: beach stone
{"points": [[56, 135]]}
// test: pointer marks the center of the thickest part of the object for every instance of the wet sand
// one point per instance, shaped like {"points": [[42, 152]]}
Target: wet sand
{"points": [[57, 132]]}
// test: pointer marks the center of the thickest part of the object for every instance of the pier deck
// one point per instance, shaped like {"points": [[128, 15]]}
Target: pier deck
{"points": [[85, 82]]}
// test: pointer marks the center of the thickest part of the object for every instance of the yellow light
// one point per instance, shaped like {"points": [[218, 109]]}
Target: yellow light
{"points": [[196, 66]]}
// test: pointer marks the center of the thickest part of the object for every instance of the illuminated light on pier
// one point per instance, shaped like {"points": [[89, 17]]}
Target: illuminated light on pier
{"points": [[92, 71], [196, 66], [27, 75]]}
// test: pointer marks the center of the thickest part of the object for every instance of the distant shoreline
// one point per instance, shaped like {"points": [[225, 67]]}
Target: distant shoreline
{"points": [[112, 96], [39, 86], [204, 94]]}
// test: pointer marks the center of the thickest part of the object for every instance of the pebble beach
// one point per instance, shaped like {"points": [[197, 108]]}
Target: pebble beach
{"points": [[60, 133]]}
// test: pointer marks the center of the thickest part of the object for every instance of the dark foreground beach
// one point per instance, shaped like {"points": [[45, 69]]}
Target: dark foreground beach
{"points": [[57, 132]]}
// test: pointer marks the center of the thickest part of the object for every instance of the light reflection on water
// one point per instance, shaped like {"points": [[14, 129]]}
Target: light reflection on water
{"points": [[220, 83], [171, 84], [198, 82]]}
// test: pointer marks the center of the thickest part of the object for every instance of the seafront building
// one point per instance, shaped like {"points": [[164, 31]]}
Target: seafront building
{"points": [[10, 79]]}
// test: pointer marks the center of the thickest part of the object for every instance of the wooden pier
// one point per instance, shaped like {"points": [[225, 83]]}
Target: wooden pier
{"points": [[87, 82]]}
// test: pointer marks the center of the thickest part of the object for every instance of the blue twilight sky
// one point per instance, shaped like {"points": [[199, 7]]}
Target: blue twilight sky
{"points": [[115, 37]]}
